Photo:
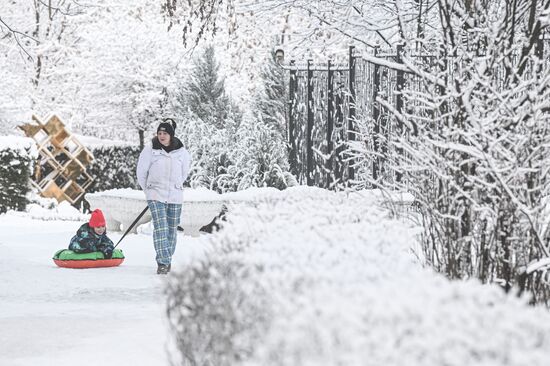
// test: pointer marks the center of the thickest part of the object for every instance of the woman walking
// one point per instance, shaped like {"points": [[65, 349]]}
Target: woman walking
{"points": [[162, 169]]}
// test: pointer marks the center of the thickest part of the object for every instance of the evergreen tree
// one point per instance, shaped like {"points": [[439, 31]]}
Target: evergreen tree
{"points": [[272, 95], [257, 160], [205, 91]]}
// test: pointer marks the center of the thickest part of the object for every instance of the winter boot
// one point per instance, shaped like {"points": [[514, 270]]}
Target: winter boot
{"points": [[163, 269]]}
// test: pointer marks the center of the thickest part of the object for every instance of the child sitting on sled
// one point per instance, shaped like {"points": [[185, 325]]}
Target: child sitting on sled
{"points": [[92, 237]]}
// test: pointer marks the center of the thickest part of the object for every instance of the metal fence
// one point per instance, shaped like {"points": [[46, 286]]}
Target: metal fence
{"points": [[327, 99]]}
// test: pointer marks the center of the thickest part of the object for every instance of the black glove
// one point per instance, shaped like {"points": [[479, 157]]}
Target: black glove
{"points": [[107, 253]]}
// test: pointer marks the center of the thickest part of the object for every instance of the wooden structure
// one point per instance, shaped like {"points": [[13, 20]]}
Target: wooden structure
{"points": [[60, 171]]}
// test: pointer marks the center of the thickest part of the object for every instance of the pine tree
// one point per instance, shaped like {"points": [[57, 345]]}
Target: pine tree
{"points": [[272, 96], [205, 91], [257, 160]]}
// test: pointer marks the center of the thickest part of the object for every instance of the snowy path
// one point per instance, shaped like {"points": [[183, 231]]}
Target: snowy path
{"points": [[56, 316]]}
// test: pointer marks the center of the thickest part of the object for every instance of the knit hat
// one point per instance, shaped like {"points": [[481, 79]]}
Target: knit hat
{"points": [[168, 126], [97, 218]]}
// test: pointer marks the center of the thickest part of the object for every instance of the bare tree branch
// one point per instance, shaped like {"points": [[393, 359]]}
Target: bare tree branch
{"points": [[15, 33]]}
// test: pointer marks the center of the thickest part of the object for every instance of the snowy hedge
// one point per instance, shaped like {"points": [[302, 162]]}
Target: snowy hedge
{"points": [[312, 277], [17, 155], [113, 167]]}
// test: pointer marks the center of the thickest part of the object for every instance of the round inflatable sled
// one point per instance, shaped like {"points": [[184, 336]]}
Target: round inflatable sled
{"points": [[68, 259]]}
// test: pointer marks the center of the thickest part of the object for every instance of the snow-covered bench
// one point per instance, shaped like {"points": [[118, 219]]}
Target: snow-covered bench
{"points": [[122, 206]]}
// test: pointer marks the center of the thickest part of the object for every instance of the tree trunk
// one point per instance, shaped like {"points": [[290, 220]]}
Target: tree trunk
{"points": [[141, 138]]}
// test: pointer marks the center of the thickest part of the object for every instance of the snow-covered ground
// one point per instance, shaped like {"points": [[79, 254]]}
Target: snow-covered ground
{"points": [[56, 316]]}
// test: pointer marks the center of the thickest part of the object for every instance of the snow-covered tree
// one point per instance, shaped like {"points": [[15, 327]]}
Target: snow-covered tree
{"points": [[271, 98], [39, 40], [107, 68], [324, 25], [472, 140], [258, 158], [131, 64], [209, 146], [204, 91]]}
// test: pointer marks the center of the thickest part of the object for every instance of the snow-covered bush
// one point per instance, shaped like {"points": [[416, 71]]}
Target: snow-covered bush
{"points": [[486, 147], [113, 167], [239, 156], [209, 147], [210, 303], [311, 277], [258, 158], [17, 156]]}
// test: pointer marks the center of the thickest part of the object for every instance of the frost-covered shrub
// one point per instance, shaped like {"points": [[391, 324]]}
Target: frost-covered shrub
{"points": [[241, 155], [209, 147], [17, 157], [308, 277], [258, 158], [113, 167], [214, 312]]}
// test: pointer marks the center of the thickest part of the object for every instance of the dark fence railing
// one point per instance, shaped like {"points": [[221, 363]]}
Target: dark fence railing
{"points": [[327, 99]]}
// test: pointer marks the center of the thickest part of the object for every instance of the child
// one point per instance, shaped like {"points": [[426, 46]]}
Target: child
{"points": [[92, 237]]}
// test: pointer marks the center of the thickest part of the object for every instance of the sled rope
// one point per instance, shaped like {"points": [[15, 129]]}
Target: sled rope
{"points": [[133, 224]]}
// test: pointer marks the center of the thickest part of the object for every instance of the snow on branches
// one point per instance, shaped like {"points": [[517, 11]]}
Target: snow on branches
{"points": [[477, 159]]}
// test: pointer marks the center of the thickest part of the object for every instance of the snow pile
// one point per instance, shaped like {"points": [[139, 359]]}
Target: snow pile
{"points": [[120, 192], [63, 212], [321, 278], [251, 193], [22, 145], [199, 194]]}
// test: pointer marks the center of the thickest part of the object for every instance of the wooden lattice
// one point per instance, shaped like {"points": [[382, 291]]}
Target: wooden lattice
{"points": [[60, 171]]}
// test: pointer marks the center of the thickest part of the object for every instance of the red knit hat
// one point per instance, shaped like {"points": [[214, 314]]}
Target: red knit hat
{"points": [[97, 218]]}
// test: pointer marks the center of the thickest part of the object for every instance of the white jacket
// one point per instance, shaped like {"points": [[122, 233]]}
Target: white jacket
{"points": [[161, 174]]}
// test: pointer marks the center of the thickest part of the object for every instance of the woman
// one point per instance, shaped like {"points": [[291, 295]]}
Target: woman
{"points": [[162, 169]]}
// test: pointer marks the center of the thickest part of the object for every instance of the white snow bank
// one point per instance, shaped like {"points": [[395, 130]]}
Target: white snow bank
{"points": [[63, 212], [250, 194], [196, 194], [23, 145], [48, 209], [255, 193], [121, 192]]}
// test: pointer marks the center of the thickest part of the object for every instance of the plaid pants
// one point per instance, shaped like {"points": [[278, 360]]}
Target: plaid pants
{"points": [[166, 217]]}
